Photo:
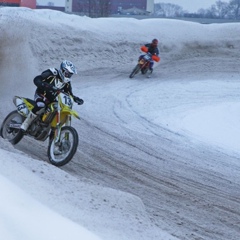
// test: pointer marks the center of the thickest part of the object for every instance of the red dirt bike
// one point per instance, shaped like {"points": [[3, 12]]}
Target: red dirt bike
{"points": [[144, 62]]}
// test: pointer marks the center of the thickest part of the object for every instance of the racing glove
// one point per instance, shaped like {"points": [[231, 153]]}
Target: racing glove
{"points": [[78, 100]]}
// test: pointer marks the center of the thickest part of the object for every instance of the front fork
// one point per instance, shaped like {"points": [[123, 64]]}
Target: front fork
{"points": [[143, 64], [58, 128]]}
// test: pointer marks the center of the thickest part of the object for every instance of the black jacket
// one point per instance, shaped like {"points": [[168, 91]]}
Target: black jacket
{"points": [[49, 78], [152, 50]]}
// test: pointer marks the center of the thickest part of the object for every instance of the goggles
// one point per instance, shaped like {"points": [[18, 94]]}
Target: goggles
{"points": [[67, 74]]}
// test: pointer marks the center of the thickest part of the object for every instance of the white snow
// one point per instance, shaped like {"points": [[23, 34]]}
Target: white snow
{"points": [[40, 201], [217, 124], [22, 217]]}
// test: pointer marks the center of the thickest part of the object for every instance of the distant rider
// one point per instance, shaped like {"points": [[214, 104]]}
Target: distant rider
{"points": [[48, 83], [153, 49]]}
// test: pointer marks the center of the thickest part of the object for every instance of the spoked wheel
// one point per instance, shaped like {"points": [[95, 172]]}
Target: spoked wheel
{"points": [[135, 71], [10, 128], [61, 152]]}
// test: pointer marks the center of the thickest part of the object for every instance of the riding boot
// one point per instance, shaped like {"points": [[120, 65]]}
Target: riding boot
{"points": [[31, 116], [150, 72]]}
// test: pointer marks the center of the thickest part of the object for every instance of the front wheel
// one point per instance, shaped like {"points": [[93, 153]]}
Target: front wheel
{"points": [[61, 152], [135, 71], [10, 128]]}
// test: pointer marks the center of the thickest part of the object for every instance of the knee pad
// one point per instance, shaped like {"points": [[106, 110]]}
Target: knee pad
{"points": [[40, 104]]}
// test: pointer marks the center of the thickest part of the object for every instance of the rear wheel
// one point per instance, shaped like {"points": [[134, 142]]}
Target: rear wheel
{"points": [[61, 152], [10, 128], [135, 71]]}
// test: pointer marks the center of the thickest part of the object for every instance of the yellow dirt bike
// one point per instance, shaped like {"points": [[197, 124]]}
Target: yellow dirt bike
{"points": [[54, 122]]}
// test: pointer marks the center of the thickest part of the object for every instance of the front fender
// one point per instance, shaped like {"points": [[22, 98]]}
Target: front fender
{"points": [[69, 111], [64, 116]]}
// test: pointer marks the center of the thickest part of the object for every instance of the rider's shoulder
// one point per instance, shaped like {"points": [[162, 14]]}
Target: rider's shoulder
{"points": [[54, 71]]}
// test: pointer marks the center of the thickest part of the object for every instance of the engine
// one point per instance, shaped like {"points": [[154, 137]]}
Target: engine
{"points": [[39, 130]]}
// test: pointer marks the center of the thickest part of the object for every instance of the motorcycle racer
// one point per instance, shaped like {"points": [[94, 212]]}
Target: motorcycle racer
{"points": [[48, 83], [153, 49]]}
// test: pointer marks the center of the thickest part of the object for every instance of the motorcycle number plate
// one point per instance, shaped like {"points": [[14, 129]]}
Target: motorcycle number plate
{"points": [[148, 58], [66, 100], [21, 107]]}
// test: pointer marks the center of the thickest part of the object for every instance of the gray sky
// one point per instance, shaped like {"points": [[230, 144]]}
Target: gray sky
{"points": [[190, 5]]}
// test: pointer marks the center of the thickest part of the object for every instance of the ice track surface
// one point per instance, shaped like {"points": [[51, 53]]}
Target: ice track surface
{"points": [[129, 138]]}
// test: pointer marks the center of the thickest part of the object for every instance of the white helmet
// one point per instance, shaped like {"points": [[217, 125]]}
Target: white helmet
{"points": [[67, 69]]}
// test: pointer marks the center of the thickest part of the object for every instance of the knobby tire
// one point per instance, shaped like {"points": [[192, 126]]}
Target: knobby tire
{"points": [[16, 133], [73, 150], [135, 71]]}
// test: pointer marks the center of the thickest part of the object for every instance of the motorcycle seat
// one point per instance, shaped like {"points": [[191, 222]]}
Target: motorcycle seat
{"points": [[31, 101]]}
